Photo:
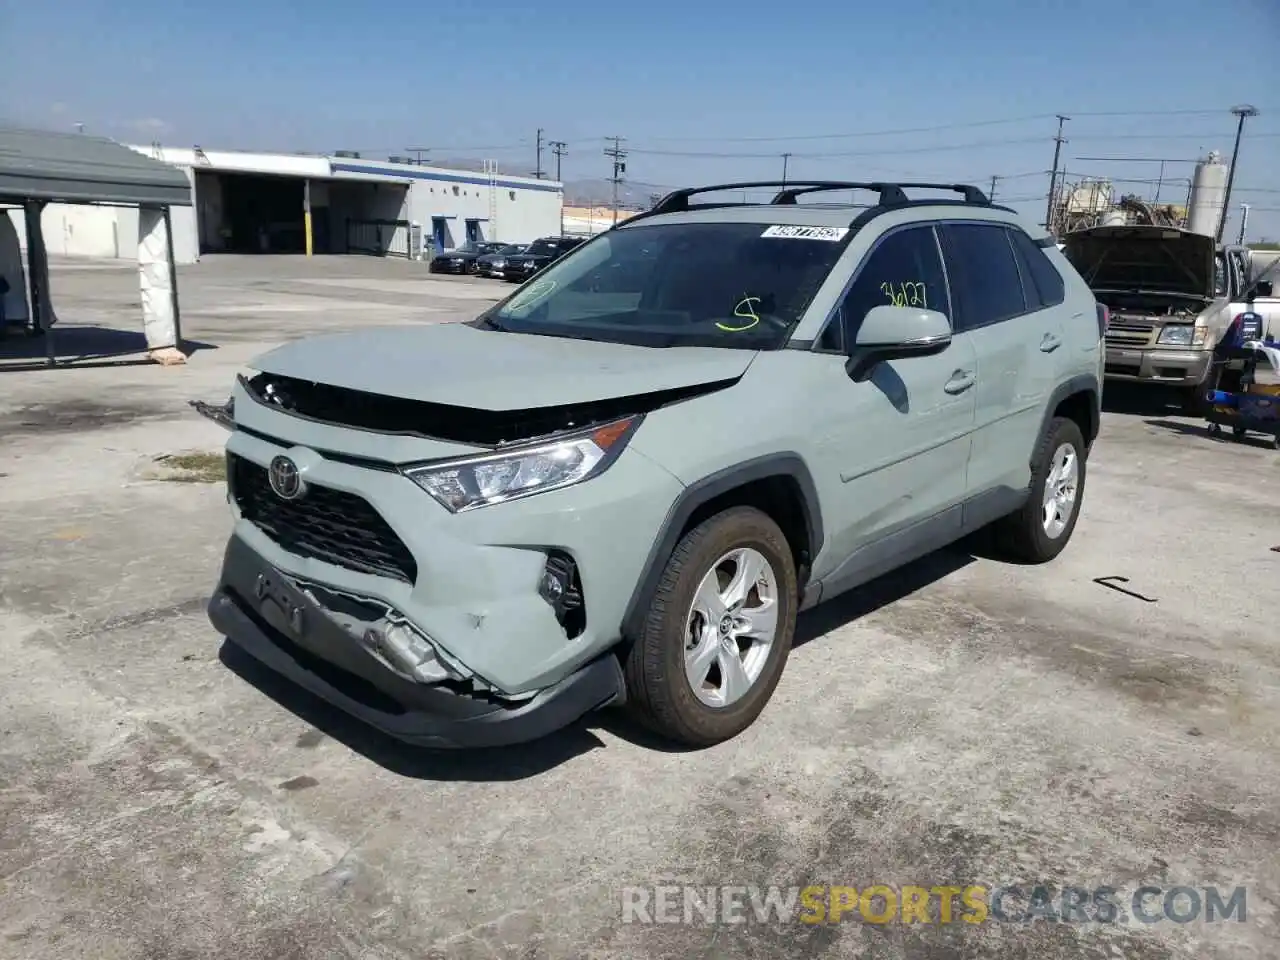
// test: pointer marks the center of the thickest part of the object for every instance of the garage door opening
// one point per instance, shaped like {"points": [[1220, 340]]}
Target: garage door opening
{"points": [[265, 214]]}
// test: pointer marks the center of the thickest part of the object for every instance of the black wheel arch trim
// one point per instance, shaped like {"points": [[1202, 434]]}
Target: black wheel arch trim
{"points": [[789, 465], [1081, 383]]}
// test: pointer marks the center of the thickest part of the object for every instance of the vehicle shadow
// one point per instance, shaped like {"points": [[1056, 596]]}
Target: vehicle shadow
{"points": [[1139, 400], [504, 764], [884, 590], [420, 763]]}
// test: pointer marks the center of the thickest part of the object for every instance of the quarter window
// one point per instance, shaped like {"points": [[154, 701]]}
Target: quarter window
{"points": [[1041, 281], [983, 273], [904, 270]]}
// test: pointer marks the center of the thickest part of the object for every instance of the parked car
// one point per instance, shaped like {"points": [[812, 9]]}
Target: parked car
{"points": [[1172, 294], [492, 264], [620, 484], [463, 259], [521, 267]]}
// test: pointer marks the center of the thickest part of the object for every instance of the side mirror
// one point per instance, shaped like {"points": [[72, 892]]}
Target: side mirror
{"points": [[895, 333], [1262, 288]]}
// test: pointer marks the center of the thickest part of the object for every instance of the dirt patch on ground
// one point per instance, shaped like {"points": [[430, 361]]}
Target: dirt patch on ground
{"points": [[191, 467]]}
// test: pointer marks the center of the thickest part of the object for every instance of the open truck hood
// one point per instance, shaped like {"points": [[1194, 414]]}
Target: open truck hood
{"points": [[1144, 258], [459, 365]]}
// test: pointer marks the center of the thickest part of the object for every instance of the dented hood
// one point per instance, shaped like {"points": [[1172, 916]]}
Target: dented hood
{"points": [[456, 364], [1143, 258]]}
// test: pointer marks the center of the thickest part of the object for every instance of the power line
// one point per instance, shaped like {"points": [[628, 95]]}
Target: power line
{"points": [[890, 151], [938, 128]]}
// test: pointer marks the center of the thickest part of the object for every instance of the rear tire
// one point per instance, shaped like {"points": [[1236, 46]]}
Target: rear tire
{"points": [[673, 666], [1195, 402], [1041, 529]]}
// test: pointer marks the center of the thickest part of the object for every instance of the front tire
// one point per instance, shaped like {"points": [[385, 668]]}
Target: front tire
{"points": [[719, 630], [1041, 529]]}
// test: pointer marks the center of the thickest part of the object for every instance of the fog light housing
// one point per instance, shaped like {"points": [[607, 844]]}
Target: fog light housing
{"points": [[561, 587]]}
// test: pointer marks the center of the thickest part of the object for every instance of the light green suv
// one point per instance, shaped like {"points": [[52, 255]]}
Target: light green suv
{"points": [[621, 484]]}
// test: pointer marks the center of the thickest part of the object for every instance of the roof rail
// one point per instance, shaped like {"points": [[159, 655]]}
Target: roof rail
{"points": [[890, 193], [678, 200]]}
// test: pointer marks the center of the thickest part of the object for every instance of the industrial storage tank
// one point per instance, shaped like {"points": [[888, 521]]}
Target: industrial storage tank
{"points": [[1208, 195]]}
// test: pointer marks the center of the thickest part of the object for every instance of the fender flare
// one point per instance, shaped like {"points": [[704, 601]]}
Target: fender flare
{"points": [[789, 465], [1081, 383]]}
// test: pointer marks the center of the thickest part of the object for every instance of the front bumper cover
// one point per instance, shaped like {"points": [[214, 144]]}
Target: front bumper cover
{"points": [[259, 609]]}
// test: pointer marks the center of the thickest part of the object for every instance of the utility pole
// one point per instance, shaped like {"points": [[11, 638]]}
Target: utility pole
{"points": [[417, 153], [991, 194], [1243, 111], [785, 158], [558, 148], [618, 156], [1244, 222], [1053, 175], [538, 171]]}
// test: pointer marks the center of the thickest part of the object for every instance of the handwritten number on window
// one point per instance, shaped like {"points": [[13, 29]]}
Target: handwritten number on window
{"points": [[906, 294]]}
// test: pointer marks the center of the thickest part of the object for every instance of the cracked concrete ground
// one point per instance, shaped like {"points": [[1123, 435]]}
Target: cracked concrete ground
{"points": [[962, 721]]}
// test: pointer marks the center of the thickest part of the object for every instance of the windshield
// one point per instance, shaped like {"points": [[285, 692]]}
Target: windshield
{"points": [[542, 248], [740, 285]]}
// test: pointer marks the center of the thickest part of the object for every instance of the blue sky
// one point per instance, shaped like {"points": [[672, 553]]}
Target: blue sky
{"points": [[702, 91]]}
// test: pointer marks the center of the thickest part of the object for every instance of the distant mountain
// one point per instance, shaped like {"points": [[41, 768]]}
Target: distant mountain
{"points": [[632, 194], [584, 192]]}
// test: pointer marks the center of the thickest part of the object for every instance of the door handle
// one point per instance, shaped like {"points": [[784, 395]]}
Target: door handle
{"points": [[960, 381], [1050, 343]]}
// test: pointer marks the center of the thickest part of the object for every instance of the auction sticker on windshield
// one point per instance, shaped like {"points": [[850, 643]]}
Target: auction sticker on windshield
{"points": [[790, 232]]}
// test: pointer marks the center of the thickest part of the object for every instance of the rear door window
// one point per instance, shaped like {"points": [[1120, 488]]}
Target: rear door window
{"points": [[1041, 283], [986, 286]]}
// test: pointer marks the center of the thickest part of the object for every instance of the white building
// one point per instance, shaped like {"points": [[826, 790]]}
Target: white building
{"points": [[278, 203]]}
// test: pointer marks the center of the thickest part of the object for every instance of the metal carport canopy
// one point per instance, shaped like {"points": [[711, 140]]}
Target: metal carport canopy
{"points": [[75, 168]]}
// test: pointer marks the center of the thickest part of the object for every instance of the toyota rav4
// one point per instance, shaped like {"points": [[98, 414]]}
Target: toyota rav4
{"points": [[621, 484]]}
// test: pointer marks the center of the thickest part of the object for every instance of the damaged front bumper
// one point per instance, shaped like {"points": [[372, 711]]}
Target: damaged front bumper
{"points": [[382, 671]]}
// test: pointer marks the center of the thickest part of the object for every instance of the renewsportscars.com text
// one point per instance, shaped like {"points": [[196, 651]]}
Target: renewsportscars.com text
{"points": [[937, 904]]}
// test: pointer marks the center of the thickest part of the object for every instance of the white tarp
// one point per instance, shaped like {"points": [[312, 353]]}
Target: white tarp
{"points": [[15, 274], [153, 273]]}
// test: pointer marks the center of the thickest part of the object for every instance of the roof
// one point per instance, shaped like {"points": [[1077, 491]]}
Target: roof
{"points": [[75, 168]]}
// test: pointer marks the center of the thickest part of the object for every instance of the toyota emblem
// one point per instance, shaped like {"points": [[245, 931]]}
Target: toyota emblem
{"points": [[285, 479]]}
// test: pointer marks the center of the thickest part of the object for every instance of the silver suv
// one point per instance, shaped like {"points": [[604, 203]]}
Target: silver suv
{"points": [[623, 482]]}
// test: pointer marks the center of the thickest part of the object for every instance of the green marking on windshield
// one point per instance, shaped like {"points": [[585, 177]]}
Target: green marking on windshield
{"points": [[745, 310]]}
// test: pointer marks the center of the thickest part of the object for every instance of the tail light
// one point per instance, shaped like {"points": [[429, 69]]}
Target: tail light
{"points": [[1104, 319]]}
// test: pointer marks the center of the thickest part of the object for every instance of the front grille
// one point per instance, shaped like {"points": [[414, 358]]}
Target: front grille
{"points": [[326, 524], [1127, 332]]}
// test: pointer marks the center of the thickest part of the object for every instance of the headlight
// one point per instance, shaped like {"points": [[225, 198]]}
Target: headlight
{"points": [[521, 472], [1179, 335]]}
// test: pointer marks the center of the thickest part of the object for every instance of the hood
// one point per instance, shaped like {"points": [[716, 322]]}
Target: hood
{"points": [[460, 365], [1144, 258], [459, 255]]}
